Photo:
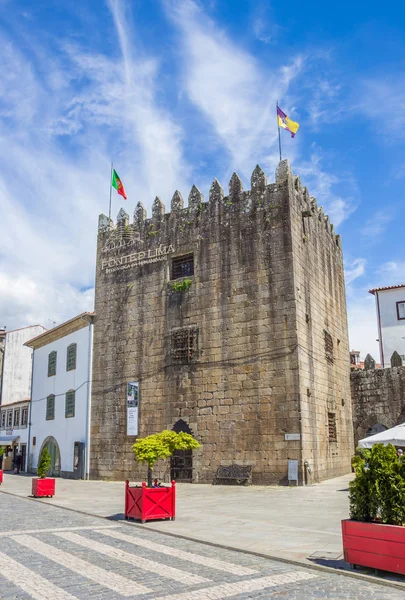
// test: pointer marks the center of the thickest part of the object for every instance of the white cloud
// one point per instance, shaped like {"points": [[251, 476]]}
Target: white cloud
{"points": [[362, 319], [321, 184], [391, 273], [355, 269], [383, 101], [236, 94], [377, 224], [62, 120]]}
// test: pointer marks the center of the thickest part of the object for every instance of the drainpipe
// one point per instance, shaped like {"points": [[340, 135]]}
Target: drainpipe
{"points": [[29, 413], [89, 386]]}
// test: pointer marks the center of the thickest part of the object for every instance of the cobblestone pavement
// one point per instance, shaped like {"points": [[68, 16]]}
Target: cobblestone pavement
{"points": [[49, 553]]}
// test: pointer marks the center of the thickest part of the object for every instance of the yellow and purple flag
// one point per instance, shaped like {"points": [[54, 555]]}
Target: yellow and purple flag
{"points": [[286, 123]]}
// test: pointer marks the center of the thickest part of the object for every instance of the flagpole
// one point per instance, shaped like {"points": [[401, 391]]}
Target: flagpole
{"points": [[279, 137], [109, 209]]}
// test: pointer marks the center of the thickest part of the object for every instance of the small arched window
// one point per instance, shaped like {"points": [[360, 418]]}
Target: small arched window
{"points": [[52, 363], [50, 407], [70, 404], [71, 357]]}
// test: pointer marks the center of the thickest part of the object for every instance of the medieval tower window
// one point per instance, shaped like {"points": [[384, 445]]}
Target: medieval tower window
{"points": [[184, 344], [50, 407], [70, 404], [51, 364], [329, 348], [182, 266], [332, 427], [71, 357]]}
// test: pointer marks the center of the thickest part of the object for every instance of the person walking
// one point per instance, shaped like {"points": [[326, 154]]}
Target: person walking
{"points": [[17, 462]]}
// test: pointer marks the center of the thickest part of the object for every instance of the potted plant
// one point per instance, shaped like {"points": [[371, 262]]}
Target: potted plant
{"points": [[155, 501], [2, 451], [43, 486], [374, 536]]}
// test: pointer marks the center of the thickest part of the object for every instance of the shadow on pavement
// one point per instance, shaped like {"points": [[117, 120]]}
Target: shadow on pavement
{"points": [[342, 565]]}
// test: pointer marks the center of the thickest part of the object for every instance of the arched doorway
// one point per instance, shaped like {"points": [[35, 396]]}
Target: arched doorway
{"points": [[53, 448], [181, 463], [377, 428]]}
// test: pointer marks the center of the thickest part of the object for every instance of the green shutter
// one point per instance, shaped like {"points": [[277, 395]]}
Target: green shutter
{"points": [[52, 364], [70, 404], [50, 407], [71, 357]]}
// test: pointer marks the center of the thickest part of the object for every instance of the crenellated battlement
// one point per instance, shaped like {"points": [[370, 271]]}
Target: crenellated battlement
{"points": [[262, 198]]}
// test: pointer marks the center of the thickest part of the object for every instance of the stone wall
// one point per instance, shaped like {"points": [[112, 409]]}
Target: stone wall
{"points": [[267, 285], [378, 397]]}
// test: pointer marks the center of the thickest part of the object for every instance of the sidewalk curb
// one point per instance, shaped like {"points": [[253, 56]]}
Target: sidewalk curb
{"points": [[289, 561]]}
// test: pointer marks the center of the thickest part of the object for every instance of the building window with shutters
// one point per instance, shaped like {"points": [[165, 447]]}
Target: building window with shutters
{"points": [[3, 419], [70, 404], [16, 417], [50, 407], [24, 417], [332, 427], [52, 364], [182, 266], [71, 357]]}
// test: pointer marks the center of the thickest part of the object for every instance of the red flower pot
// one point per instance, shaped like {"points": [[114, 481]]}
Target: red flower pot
{"points": [[374, 545], [1, 476], [146, 504], [43, 487]]}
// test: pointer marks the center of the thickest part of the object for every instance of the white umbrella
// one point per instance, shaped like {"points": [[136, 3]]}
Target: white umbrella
{"points": [[395, 436]]}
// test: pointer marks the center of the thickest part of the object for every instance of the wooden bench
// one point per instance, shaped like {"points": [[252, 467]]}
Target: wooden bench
{"points": [[238, 474]]}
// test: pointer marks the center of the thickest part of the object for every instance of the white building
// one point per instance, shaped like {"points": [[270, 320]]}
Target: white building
{"points": [[15, 390], [390, 306], [17, 364], [14, 432], [60, 397]]}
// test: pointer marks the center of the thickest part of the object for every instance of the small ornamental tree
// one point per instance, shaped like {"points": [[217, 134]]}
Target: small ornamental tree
{"points": [[378, 491], [2, 452], [160, 446], [44, 463]]}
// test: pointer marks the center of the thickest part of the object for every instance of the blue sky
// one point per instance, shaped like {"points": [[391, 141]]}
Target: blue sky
{"points": [[179, 92]]}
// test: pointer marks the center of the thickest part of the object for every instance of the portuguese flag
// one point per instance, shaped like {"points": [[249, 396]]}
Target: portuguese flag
{"points": [[117, 184]]}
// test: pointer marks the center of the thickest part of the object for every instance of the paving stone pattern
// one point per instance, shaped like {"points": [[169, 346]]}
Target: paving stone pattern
{"points": [[50, 553]]}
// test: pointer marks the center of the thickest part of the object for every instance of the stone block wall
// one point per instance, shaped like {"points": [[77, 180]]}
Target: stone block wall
{"points": [[245, 387], [378, 397]]}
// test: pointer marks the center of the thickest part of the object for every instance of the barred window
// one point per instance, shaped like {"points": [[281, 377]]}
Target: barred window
{"points": [[184, 344], [332, 427], [16, 417], [70, 404], [71, 357], [52, 364], [3, 419], [50, 407], [329, 348], [10, 418], [24, 417], [182, 266]]}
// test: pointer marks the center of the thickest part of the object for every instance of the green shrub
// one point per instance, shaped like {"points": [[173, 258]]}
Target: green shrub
{"points": [[181, 286], [378, 491], [44, 463]]}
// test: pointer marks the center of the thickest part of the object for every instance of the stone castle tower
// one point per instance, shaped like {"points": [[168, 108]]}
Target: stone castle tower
{"points": [[231, 316]]}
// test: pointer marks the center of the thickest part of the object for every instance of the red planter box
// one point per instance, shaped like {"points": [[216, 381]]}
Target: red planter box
{"points": [[43, 487], [1, 476], [150, 503], [374, 545]]}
